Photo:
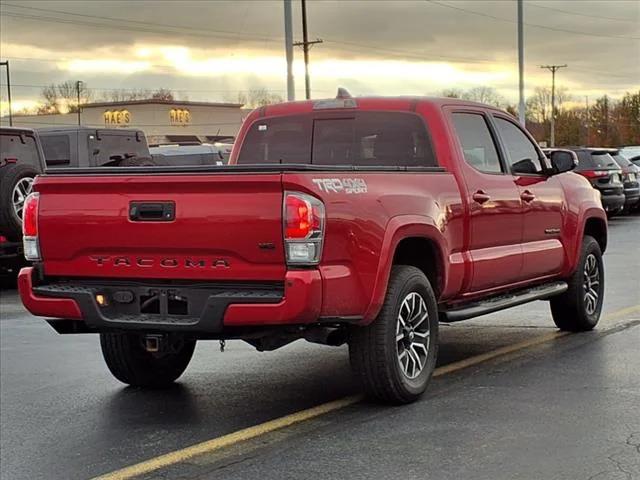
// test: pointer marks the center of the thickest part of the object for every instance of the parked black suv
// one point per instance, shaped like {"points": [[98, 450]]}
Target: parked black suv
{"points": [[604, 173], [630, 178], [80, 146], [21, 159]]}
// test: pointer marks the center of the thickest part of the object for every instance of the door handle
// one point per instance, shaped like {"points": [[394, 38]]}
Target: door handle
{"points": [[480, 197], [527, 196]]}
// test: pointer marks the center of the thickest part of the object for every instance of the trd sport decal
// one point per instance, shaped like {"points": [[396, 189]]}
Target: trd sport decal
{"points": [[341, 185]]}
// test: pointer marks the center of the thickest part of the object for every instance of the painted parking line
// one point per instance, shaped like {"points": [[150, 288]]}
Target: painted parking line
{"points": [[218, 443]]}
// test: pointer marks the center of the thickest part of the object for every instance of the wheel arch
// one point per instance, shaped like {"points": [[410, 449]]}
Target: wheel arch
{"points": [[409, 240], [596, 228]]}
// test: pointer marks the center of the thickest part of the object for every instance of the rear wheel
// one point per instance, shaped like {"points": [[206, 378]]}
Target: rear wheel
{"points": [[578, 309], [131, 363], [394, 357], [16, 182]]}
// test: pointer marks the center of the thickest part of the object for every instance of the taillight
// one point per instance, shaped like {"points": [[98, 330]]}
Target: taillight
{"points": [[30, 227], [303, 219], [594, 173]]}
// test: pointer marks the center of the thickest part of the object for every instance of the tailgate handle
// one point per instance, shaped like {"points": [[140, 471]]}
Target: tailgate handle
{"points": [[152, 211]]}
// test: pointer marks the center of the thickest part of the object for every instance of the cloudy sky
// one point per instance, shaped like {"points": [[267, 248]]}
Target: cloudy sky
{"points": [[211, 50]]}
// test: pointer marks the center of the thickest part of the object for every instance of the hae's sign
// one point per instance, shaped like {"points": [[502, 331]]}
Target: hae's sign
{"points": [[179, 116], [117, 117]]}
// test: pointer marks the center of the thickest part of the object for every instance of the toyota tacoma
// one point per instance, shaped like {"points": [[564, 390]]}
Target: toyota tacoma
{"points": [[364, 221]]}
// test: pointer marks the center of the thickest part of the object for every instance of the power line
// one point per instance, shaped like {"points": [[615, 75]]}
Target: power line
{"points": [[206, 32], [396, 53], [534, 25], [579, 14]]}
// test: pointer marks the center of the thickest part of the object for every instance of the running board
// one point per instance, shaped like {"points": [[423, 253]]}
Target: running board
{"points": [[500, 302]]}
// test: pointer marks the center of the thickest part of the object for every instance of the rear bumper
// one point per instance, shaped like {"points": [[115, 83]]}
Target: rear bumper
{"points": [[632, 196], [612, 203], [210, 310]]}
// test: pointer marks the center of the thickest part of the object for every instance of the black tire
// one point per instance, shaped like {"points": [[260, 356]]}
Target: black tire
{"points": [[137, 162], [374, 350], [130, 363], [10, 175], [572, 311]]}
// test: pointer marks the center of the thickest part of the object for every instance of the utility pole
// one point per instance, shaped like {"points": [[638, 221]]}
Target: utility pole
{"points": [[586, 118], [288, 46], [78, 84], [553, 69], [6, 65], [306, 45], [521, 108]]}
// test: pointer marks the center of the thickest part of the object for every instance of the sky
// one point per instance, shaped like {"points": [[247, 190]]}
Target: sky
{"points": [[214, 50]]}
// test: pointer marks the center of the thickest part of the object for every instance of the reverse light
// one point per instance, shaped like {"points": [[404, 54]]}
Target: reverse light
{"points": [[303, 218], [30, 242]]}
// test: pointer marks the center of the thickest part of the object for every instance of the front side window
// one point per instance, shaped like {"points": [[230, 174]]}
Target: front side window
{"points": [[359, 138], [522, 155], [477, 143]]}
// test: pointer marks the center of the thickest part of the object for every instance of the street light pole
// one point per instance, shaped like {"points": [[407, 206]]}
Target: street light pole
{"points": [[521, 107], [6, 65], [78, 83], [288, 45], [553, 69]]}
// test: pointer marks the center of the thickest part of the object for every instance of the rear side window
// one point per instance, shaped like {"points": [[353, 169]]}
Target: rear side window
{"points": [[105, 147], [12, 148], [359, 138], [477, 143], [57, 150]]}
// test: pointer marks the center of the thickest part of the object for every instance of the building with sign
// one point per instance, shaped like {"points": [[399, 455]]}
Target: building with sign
{"points": [[162, 121]]}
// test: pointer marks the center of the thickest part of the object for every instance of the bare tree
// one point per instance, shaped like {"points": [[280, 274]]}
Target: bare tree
{"points": [[163, 94], [452, 93], [122, 95], [63, 97], [539, 104], [487, 95], [258, 97]]}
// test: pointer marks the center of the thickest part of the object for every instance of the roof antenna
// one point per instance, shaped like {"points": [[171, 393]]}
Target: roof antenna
{"points": [[343, 93]]}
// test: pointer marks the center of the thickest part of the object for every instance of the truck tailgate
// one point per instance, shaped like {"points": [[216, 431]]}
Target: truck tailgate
{"points": [[227, 227]]}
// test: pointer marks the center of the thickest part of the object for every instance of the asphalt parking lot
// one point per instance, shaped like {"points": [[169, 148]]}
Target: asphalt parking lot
{"points": [[563, 409]]}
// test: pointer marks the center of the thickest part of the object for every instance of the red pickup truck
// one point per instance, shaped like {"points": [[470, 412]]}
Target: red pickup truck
{"points": [[365, 221]]}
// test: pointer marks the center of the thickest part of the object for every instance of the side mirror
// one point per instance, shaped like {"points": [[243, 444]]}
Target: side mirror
{"points": [[562, 160]]}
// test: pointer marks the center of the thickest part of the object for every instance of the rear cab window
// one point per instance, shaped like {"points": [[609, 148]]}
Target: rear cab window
{"points": [[358, 138]]}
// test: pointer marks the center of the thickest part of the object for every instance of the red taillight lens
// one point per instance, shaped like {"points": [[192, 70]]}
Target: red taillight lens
{"points": [[3, 239], [300, 218], [30, 215]]}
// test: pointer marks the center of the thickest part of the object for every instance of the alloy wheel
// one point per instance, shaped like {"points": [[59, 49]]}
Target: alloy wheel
{"points": [[412, 335], [20, 193], [591, 284]]}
